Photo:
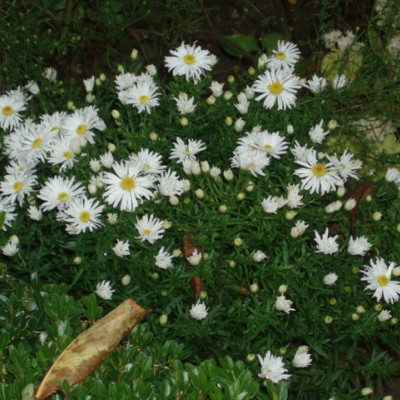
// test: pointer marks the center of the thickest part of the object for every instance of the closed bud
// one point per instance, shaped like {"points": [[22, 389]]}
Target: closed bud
{"points": [[350, 204], [366, 391], [254, 288], [92, 188], [166, 224], [332, 124], [328, 319], [203, 294], [163, 320], [232, 263], [282, 289], [231, 79], [377, 216], [176, 253], [126, 280], [355, 317], [134, 54], [199, 193], [115, 114], [396, 271], [240, 196], [77, 260], [360, 310], [228, 121], [289, 215], [228, 174], [205, 166], [341, 191], [111, 147], [378, 307], [228, 95], [102, 77], [173, 200], [223, 208], [211, 100], [290, 129], [238, 241], [184, 121], [153, 136], [251, 71], [250, 357]]}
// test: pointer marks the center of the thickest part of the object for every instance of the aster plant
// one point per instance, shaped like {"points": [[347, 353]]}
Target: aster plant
{"points": [[221, 207]]}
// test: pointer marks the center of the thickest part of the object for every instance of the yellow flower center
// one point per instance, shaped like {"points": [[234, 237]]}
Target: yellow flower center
{"points": [[128, 183], [252, 166], [189, 59], [275, 88], [55, 128], [81, 129], [318, 170], [144, 99], [7, 110], [146, 232], [62, 197], [267, 147], [17, 186], [186, 150], [37, 143], [84, 216], [67, 155], [383, 280], [281, 55]]}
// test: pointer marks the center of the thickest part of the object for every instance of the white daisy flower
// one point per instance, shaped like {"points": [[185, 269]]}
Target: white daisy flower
{"points": [[182, 151], [339, 82], [318, 176], [17, 186], [272, 368], [58, 192], [163, 259], [251, 161], [121, 248], [273, 144], [104, 291], [32, 87], [61, 154], [358, 246], [378, 276], [107, 159], [316, 84], [80, 124], [189, 61], [10, 249], [89, 84], [284, 304], [125, 81], [326, 244], [81, 214], [302, 153], [151, 161], [8, 208], [259, 256], [198, 311], [52, 122], [294, 198], [50, 74], [302, 359], [345, 165], [185, 104], [317, 133], [11, 106], [330, 279], [34, 213], [298, 229], [143, 95], [149, 228], [384, 315], [217, 88], [272, 204], [277, 86], [170, 184], [392, 175], [286, 56], [195, 258], [127, 186]]}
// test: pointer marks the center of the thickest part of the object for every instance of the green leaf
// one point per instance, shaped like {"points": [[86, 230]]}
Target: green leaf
{"points": [[239, 45], [2, 218]]}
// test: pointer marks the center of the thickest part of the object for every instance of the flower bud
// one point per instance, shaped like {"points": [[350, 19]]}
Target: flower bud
{"points": [[126, 280], [134, 54], [341, 191], [232, 263], [328, 319], [199, 193], [184, 121], [332, 124], [282, 289], [211, 100], [92, 188], [254, 288], [290, 129], [289, 215], [228, 95], [228, 174], [77, 260], [366, 391], [173, 200], [238, 241], [360, 310], [377, 216], [223, 208], [228, 121], [163, 320], [240, 196], [355, 317], [250, 357], [205, 166]]}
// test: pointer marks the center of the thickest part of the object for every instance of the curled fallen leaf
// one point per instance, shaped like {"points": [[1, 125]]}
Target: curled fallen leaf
{"points": [[90, 348]]}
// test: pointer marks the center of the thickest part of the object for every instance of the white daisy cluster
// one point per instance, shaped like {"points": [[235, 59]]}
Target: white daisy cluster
{"points": [[338, 40], [140, 91], [278, 84]]}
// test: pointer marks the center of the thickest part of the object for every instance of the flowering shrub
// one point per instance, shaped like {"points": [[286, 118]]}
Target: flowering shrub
{"points": [[222, 207]]}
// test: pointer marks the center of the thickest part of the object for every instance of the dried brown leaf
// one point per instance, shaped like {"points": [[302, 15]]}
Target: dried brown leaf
{"points": [[90, 348]]}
